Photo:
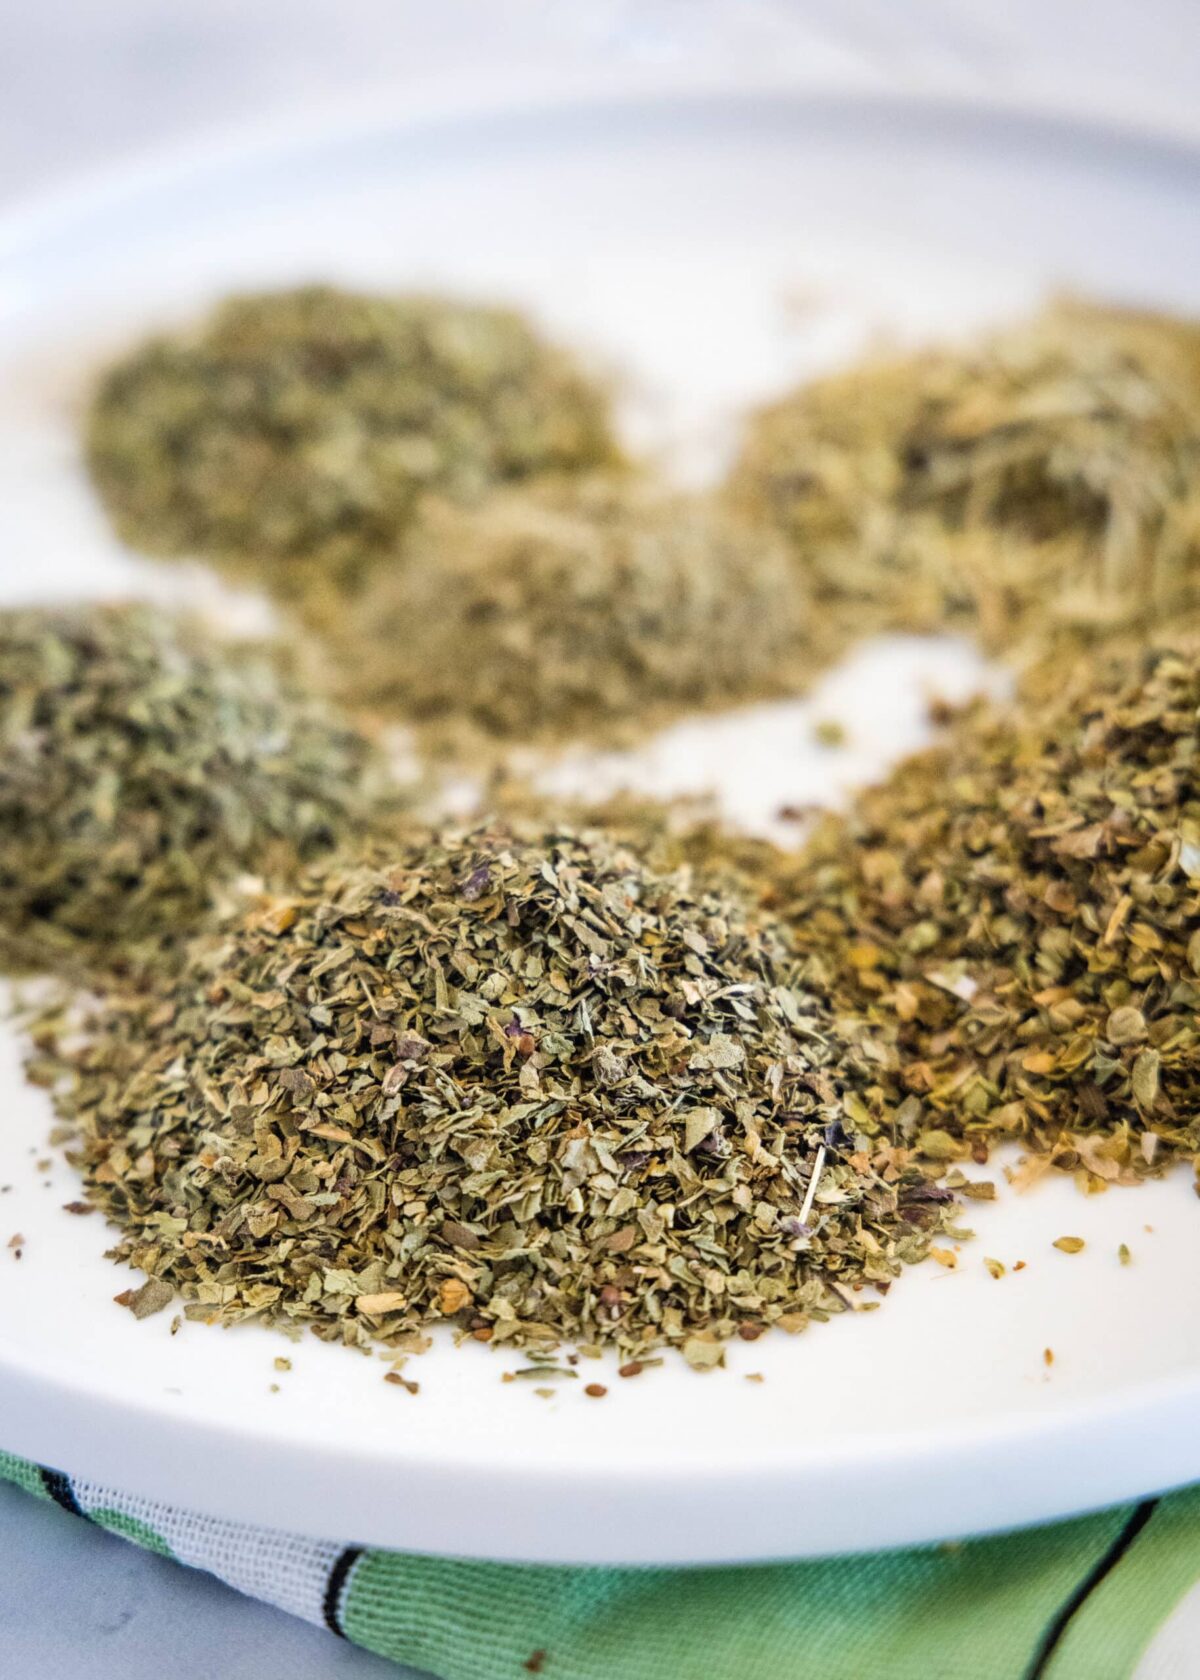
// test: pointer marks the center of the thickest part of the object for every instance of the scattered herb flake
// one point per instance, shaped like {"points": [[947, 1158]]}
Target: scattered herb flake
{"points": [[829, 732], [152, 1297]]}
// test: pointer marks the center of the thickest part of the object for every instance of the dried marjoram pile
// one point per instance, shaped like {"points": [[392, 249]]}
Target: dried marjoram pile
{"points": [[290, 436], [510, 1078], [1015, 915], [584, 610], [1044, 479], [142, 763]]}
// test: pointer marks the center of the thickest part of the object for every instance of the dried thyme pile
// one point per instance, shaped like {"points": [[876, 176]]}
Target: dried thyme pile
{"points": [[1015, 915], [1043, 480], [141, 764], [589, 610], [291, 435], [513, 1079]]}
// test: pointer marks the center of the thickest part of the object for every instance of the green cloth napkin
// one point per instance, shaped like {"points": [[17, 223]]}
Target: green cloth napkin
{"points": [[1078, 1600]]}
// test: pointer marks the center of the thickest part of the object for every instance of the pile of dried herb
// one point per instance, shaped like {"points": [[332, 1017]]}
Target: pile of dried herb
{"points": [[583, 610], [513, 1079], [291, 435], [1045, 479], [142, 763], [1014, 916]]}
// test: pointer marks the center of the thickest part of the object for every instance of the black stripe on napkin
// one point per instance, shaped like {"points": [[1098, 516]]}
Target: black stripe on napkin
{"points": [[60, 1490], [1102, 1568], [331, 1608]]}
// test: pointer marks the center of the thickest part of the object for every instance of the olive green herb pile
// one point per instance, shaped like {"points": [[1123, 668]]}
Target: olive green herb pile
{"points": [[513, 1079], [291, 436], [574, 612], [1014, 916], [142, 763], [1041, 481]]}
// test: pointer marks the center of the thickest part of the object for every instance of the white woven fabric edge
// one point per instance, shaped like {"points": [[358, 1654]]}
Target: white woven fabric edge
{"points": [[286, 1570]]}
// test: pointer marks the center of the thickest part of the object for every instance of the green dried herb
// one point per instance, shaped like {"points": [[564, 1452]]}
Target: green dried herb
{"points": [[142, 764], [290, 435], [1042, 480], [151, 1298], [1014, 913], [512, 1078], [558, 613], [829, 732]]}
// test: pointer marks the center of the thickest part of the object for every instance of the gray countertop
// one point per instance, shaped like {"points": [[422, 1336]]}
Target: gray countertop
{"points": [[76, 1601]]}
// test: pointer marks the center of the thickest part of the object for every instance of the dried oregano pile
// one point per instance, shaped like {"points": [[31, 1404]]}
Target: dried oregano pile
{"points": [[1014, 919], [579, 610], [1045, 479], [142, 764], [513, 1079], [291, 436]]}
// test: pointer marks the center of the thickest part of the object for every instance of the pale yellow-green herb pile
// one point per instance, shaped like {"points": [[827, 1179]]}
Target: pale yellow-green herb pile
{"points": [[1039, 480], [581, 611]]}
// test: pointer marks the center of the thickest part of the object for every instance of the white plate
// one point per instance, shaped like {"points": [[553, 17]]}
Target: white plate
{"points": [[712, 248]]}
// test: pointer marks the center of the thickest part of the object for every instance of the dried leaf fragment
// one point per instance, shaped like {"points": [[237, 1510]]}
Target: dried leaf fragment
{"points": [[703, 1353], [152, 1297], [383, 1301], [453, 1296]]}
